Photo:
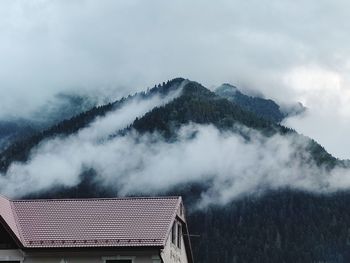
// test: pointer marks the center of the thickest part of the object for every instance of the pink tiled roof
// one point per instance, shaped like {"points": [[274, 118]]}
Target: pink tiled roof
{"points": [[90, 222]]}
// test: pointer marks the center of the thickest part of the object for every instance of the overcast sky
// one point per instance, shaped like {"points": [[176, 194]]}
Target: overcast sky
{"points": [[290, 50]]}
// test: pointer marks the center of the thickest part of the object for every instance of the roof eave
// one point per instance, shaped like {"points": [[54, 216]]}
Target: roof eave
{"points": [[157, 247], [11, 233]]}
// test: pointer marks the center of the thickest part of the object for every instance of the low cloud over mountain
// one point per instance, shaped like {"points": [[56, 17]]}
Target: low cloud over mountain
{"points": [[235, 162]]}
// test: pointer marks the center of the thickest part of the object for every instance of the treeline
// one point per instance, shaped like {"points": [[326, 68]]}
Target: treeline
{"points": [[199, 105], [264, 108], [20, 150], [283, 226]]}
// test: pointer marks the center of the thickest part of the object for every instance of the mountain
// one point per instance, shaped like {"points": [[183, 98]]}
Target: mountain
{"points": [[282, 225], [20, 149], [63, 106], [14, 129], [264, 108], [197, 104]]}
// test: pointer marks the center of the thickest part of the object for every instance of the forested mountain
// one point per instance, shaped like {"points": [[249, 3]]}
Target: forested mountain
{"points": [[264, 108], [12, 130], [279, 226], [283, 226], [199, 105], [63, 106], [20, 149]]}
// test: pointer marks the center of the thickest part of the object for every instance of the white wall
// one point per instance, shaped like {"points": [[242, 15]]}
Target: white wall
{"points": [[92, 256], [11, 254], [172, 254]]}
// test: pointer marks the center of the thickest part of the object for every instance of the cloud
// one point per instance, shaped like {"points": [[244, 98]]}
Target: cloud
{"points": [[148, 164], [326, 93], [52, 46], [60, 161]]}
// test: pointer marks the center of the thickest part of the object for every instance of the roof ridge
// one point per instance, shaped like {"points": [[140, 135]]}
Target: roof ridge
{"points": [[5, 197], [94, 199]]}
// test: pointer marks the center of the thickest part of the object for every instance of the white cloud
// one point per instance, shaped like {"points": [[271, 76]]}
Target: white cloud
{"points": [[52, 46], [60, 161], [147, 164], [327, 95]]}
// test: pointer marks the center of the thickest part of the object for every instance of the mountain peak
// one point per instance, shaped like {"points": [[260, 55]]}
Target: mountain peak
{"points": [[227, 89], [266, 109]]}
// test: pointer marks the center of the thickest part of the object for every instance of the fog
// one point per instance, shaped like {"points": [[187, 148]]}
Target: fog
{"points": [[60, 161], [287, 51], [148, 164]]}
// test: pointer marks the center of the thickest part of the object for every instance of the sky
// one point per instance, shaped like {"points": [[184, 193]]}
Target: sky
{"points": [[288, 50]]}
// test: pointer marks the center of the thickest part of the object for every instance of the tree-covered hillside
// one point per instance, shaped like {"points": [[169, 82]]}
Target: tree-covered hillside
{"points": [[61, 107], [199, 105], [284, 226], [20, 149], [264, 108], [267, 109], [280, 226]]}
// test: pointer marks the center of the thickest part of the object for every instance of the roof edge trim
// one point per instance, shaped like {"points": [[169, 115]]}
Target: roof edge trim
{"points": [[10, 232]]}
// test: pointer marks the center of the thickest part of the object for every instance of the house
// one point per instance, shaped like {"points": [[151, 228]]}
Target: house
{"points": [[111, 230]]}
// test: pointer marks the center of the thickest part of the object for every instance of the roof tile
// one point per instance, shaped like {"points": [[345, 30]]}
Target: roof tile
{"points": [[91, 222]]}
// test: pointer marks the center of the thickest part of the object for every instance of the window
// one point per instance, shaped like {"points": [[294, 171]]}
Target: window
{"points": [[156, 259], [118, 259], [179, 235], [173, 233]]}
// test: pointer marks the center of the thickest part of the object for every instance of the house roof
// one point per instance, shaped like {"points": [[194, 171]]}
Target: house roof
{"points": [[114, 222]]}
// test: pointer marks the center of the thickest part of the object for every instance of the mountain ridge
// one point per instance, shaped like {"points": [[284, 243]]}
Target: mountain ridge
{"points": [[275, 226], [206, 101], [264, 108]]}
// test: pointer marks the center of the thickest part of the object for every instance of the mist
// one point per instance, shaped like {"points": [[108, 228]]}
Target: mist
{"points": [[50, 47], [149, 164], [59, 161]]}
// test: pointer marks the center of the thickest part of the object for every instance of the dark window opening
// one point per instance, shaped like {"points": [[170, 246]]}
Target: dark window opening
{"points": [[6, 241], [119, 261], [179, 235], [173, 234]]}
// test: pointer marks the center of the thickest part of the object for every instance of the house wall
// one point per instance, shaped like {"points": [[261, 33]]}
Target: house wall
{"points": [[94, 256], [10, 254], [172, 254]]}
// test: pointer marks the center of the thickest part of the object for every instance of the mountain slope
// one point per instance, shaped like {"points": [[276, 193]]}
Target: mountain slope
{"points": [[199, 105], [15, 129], [280, 226], [196, 104], [20, 149], [61, 107], [264, 108]]}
